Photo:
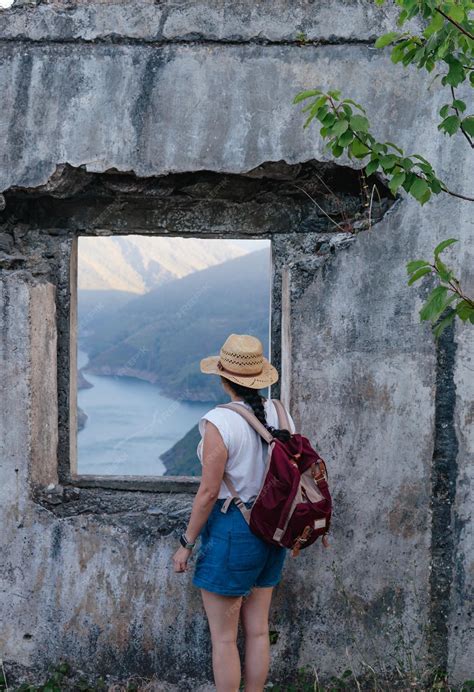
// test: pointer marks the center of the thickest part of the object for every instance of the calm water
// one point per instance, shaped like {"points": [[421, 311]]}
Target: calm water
{"points": [[129, 425]]}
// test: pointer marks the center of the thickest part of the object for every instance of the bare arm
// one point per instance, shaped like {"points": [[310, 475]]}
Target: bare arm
{"points": [[214, 457]]}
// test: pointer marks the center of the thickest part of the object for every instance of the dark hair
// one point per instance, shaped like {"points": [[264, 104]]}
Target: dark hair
{"points": [[255, 400]]}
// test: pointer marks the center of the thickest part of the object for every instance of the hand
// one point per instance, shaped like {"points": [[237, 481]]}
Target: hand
{"points": [[180, 559], [325, 541]]}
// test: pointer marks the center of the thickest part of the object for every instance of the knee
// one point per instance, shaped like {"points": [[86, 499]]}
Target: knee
{"points": [[224, 640], [260, 632]]}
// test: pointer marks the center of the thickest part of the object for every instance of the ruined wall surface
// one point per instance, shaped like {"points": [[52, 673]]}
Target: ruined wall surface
{"points": [[181, 87]]}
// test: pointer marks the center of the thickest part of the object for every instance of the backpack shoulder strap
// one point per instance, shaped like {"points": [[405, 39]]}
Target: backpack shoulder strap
{"points": [[251, 419], [283, 420]]}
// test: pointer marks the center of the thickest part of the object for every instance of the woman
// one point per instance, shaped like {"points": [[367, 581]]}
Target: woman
{"points": [[235, 569]]}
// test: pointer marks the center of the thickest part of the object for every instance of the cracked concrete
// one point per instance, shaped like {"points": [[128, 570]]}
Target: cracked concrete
{"points": [[125, 95]]}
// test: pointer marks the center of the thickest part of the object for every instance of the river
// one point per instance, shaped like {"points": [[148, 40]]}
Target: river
{"points": [[129, 425]]}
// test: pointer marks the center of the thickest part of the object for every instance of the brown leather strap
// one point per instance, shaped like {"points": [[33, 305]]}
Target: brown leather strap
{"points": [[251, 420], [244, 510], [283, 420]]}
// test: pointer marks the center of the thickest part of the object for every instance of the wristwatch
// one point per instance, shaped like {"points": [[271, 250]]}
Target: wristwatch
{"points": [[185, 543]]}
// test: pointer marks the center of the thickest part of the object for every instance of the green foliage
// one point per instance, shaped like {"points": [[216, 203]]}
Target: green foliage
{"points": [[346, 130], [273, 636], [446, 41], [445, 297]]}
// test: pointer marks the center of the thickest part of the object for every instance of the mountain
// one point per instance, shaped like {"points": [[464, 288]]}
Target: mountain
{"points": [[181, 459], [162, 335], [136, 263]]}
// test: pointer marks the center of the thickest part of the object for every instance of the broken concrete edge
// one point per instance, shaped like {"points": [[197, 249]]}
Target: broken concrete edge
{"points": [[297, 23], [119, 496], [60, 173]]}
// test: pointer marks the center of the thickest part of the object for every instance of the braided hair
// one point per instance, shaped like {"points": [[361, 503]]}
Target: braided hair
{"points": [[255, 401]]}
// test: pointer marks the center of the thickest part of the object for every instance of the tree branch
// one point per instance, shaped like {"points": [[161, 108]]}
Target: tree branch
{"points": [[366, 144], [456, 24], [456, 194], [466, 135]]}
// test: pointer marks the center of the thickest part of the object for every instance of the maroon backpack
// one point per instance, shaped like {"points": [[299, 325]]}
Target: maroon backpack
{"points": [[293, 506]]}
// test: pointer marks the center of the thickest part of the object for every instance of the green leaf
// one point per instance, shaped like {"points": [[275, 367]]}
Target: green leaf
{"points": [[460, 105], [464, 310], [445, 322], [407, 164], [340, 127], [445, 110], [418, 274], [413, 265], [347, 110], [455, 74], [345, 139], [322, 113], [337, 150], [310, 117], [359, 123], [443, 271], [456, 13], [424, 198], [358, 149], [388, 162], [450, 124], [386, 39], [421, 158], [435, 186], [397, 54], [394, 146], [434, 304], [379, 149], [336, 94], [468, 125], [306, 95], [419, 189], [443, 245], [329, 120], [354, 103], [435, 25], [410, 179], [371, 167], [397, 180]]}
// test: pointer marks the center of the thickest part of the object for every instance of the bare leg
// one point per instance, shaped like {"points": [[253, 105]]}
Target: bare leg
{"points": [[254, 613], [223, 616]]}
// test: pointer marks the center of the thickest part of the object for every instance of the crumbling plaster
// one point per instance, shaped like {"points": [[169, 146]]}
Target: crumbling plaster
{"points": [[209, 87]]}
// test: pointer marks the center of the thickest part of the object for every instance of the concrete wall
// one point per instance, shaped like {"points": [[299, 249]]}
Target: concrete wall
{"points": [[152, 89]]}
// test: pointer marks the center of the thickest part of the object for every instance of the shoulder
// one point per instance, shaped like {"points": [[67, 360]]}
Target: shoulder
{"points": [[224, 419]]}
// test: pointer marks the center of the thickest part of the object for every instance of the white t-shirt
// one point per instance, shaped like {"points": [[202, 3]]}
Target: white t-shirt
{"points": [[247, 451]]}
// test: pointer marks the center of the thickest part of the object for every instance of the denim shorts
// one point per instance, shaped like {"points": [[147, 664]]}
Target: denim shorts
{"points": [[231, 559]]}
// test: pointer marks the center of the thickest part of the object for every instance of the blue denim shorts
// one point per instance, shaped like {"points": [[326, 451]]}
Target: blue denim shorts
{"points": [[231, 559]]}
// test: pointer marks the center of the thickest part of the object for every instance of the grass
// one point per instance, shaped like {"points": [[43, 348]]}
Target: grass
{"points": [[62, 677]]}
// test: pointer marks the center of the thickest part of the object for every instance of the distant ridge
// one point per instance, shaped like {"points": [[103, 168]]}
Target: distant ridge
{"points": [[139, 263], [162, 335]]}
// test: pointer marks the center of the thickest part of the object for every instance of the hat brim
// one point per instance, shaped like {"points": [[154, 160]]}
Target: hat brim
{"points": [[268, 376]]}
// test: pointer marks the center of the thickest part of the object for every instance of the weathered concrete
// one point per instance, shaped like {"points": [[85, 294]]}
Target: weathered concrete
{"points": [[219, 21], [144, 89]]}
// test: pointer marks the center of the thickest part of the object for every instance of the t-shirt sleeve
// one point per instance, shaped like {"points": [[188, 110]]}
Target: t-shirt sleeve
{"points": [[221, 421]]}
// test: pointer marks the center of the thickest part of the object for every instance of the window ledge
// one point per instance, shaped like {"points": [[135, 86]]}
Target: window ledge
{"points": [[152, 484]]}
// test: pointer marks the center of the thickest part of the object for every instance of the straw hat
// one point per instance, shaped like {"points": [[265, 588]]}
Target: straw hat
{"points": [[241, 360]]}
